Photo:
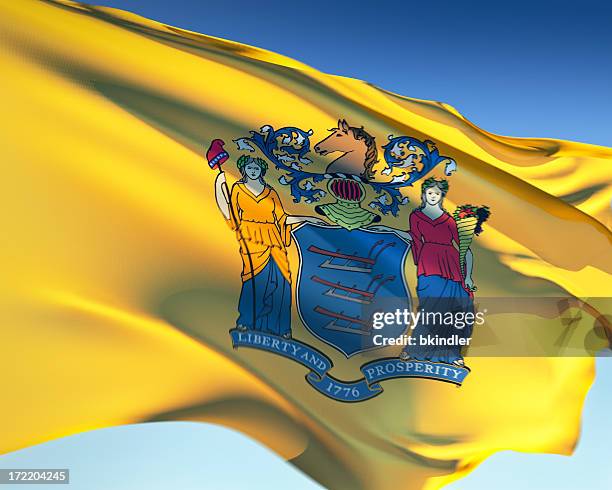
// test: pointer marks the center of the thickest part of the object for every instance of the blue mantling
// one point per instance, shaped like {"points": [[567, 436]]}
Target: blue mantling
{"points": [[287, 148]]}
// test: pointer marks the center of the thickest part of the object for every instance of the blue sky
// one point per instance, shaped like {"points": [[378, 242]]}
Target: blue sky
{"points": [[524, 68], [537, 68]]}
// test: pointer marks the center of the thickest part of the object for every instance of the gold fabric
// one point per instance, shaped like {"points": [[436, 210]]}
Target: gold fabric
{"points": [[120, 277]]}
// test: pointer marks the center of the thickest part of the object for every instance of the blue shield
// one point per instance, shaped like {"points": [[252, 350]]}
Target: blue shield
{"points": [[344, 277]]}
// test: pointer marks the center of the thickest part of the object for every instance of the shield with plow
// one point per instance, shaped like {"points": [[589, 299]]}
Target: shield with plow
{"points": [[344, 277]]}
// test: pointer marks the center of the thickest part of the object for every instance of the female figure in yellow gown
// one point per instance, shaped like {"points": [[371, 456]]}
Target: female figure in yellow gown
{"points": [[254, 210]]}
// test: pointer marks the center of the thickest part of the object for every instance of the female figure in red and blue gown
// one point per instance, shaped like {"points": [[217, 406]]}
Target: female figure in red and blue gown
{"points": [[442, 288]]}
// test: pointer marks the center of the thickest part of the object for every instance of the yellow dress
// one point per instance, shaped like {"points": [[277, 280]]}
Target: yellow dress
{"points": [[262, 231]]}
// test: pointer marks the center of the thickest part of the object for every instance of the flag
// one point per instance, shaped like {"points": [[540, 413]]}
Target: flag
{"points": [[121, 277]]}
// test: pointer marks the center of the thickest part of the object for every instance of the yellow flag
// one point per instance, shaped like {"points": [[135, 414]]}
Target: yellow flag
{"points": [[121, 277]]}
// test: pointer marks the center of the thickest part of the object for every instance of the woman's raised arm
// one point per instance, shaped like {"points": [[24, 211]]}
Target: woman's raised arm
{"points": [[221, 195], [469, 264]]}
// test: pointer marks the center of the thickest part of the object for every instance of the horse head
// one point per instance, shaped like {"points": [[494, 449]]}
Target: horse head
{"points": [[358, 148], [341, 139]]}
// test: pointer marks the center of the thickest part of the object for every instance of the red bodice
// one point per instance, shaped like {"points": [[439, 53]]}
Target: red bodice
{"points": [[432, 245]]}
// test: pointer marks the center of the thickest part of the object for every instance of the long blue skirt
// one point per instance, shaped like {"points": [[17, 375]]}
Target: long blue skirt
{"points": [[265, 302], [440, 296]]}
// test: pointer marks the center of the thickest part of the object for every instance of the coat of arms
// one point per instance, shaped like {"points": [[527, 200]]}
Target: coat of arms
{"points": [[351, 292]]}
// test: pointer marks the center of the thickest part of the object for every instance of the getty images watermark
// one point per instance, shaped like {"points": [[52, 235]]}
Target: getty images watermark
{"points": [[492, 326], [408, 320]]}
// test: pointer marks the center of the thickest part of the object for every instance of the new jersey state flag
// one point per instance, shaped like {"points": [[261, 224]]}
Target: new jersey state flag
{"points": [[368, 284]]}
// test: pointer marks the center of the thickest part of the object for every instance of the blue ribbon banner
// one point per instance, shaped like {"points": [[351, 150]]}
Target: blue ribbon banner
{"points": [[347, 391]]}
